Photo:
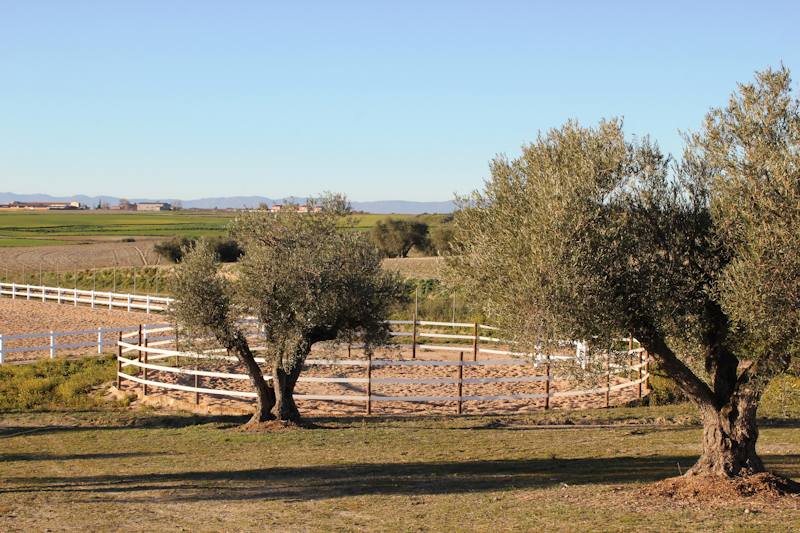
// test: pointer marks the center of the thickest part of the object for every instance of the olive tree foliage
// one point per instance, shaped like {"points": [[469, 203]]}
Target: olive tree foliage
{"points": [[749, 154], [590, 236], [303, 280]]}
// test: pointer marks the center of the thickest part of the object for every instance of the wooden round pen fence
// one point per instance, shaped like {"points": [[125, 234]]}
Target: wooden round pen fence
{"points": [[420, 378]]}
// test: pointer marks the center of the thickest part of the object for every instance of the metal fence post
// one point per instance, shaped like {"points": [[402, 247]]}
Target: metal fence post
{"points": [[52, 344], [2, 358], [99, 340]]}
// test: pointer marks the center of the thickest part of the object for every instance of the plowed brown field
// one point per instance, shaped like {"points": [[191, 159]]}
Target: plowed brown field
{"points": [[84, 256]]}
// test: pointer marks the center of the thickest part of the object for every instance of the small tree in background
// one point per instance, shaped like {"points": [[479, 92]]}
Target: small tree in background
{"points": [[173, 248], [226, 249], [303, 279], [394, 238]]}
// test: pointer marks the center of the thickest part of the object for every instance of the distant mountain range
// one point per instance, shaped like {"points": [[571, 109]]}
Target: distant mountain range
{"points": [[383, 207]]}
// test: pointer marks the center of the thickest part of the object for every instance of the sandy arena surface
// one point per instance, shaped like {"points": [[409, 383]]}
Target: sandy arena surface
{"points": [[22, 317]]}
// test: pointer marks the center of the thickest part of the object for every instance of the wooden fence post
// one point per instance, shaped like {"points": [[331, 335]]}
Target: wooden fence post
{"points": [[414, 339], [196, 385], [144, 370], [475, 343], [647, 369], [139, 369], [369, 384], [547, 382], [640, 372], [460, 378]]}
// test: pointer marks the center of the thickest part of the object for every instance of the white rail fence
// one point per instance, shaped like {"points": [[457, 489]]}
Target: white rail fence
{"points": [[104, 337], [146, 354], [110, 300]]}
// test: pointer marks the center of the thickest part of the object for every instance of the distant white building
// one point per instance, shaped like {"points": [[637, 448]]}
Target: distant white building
{"points": [[152, 206]]}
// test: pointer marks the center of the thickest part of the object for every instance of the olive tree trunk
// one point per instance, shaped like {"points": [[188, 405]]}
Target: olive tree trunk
{"points": [[283, 384], [729, 440], [728, 411], [265, 399]]}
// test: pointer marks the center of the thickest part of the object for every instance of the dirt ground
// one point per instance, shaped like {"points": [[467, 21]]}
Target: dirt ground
{"points": [[84, 256]]}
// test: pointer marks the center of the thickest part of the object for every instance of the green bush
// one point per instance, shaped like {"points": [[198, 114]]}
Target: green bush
{"points": [[172, 249]]}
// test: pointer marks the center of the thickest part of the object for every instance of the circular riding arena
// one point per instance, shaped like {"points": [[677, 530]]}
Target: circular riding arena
{"points": [[473, 377], [446, 368]]}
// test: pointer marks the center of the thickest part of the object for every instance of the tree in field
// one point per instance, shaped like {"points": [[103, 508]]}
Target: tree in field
{"points": [[302, 278], [394, 238], [588, 236]]}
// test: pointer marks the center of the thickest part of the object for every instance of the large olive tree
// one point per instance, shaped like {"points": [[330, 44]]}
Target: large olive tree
{"points": [[590, 236], [302, 278]]}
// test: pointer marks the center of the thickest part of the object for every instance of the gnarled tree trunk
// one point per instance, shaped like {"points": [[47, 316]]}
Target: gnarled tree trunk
{"points": [[729, 440], [728, 410], [265, 398]]}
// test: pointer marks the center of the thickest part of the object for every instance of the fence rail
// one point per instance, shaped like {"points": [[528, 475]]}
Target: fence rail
{"points": [[103, 339], [111, 300], [147, 354]]}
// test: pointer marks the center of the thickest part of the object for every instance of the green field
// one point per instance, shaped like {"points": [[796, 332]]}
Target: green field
{"points": [[71, 224], [41, 228], [23, 242]]}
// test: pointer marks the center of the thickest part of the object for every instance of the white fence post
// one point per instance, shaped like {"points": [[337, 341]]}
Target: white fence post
{"points": [[2, 359], [28, 287], [148, 304], [129, 302], [100, 340], [59, 295], [13, 291], [52, 344], [92, 298], [111, 300]]}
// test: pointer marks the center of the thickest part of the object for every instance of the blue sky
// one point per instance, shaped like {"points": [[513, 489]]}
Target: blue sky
{"points": [[380, 100]]}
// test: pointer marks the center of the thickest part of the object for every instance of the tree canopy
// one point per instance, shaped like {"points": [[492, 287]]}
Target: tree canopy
{"points": [[302, 279], [394, 238], [590, 236]]}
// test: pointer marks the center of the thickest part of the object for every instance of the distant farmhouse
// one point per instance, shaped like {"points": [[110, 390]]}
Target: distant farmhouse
{"points": [[300, 209], [43, 206], [153, 206]]}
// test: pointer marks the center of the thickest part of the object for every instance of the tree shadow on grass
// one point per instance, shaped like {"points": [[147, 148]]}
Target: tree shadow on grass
{"points": [[13, 457], [335, 481]]}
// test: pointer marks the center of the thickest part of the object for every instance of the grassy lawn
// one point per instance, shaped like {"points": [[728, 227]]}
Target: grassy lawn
{"points": [[151, 471], [70, 461]]}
